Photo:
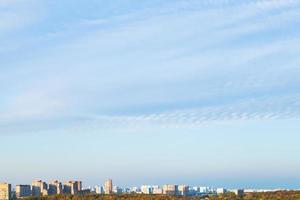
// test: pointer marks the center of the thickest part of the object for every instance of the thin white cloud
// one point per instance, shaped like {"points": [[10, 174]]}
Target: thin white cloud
{"points": [[163, 58], [265, 108]]}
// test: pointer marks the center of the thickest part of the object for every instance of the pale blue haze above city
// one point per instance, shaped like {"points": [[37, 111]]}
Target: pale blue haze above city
{"points": [[199, 92]]}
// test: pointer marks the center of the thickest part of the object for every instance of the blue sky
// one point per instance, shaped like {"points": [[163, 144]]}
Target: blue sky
{"points": [[155, 91]]}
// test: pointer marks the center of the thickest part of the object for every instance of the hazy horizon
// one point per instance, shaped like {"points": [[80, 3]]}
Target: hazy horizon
{"points": [[151, 92]]}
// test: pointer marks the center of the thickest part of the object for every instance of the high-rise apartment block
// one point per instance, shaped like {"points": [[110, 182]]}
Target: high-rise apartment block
{"points": [[72, 187], [99, 189], [108, 186], [146, 189], [183, 190], [170, 189], [55, 187], [79, 185], [23, 191], [39, 188], [5, 191]]}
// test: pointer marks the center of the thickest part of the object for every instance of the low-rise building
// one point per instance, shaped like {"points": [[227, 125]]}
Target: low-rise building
{"points": [[117, 190], [84, 192], [238, 192], [204, 190], [135, 190], [157, 190], [126, 191], [221, 190]]}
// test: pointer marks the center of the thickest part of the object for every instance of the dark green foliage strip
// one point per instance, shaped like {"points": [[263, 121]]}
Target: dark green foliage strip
{"points": [[281, 195]]}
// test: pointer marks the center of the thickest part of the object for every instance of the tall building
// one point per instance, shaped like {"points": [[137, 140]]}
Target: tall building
{"points": [[23, 191], [5, 191], [55, 187], [39, 188], [183, 190], [79, 185], [98, 189], [146, 189], [72, 187], [108, 186], [170, 189]]}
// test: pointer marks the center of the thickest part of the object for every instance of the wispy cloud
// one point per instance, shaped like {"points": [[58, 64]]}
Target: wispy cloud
{"points": [[251, 109], [183, 63]]}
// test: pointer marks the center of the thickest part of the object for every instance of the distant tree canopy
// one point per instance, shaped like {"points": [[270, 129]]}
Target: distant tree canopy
{"points": [[280, 195]]}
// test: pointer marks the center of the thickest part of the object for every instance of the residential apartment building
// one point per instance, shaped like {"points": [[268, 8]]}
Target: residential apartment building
{"points": [[23, 191], [146, 189], [170, 189], [183, 190], [5, 191], [108, 186], [72, 187], [55, 187], [39, 188]]}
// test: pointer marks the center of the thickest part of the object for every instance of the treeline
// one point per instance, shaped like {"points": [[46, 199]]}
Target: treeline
{"points": [[113, 197], [280, 195]]}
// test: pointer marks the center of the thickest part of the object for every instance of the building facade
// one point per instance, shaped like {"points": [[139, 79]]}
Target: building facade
{"points": [[157, 190], [221, 190], [183, 190], [238, 192], [55, 187], [79, 185], [23, 191], [117, 190], [39, 188], [170, 189], [99, 189], [5, 191], [72, 187], [146, 189], [108, 186]]}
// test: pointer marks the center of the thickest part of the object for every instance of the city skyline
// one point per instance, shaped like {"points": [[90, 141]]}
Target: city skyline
{"points": [[155, 91], [74, 187], [60, 186], [39, 188]]}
